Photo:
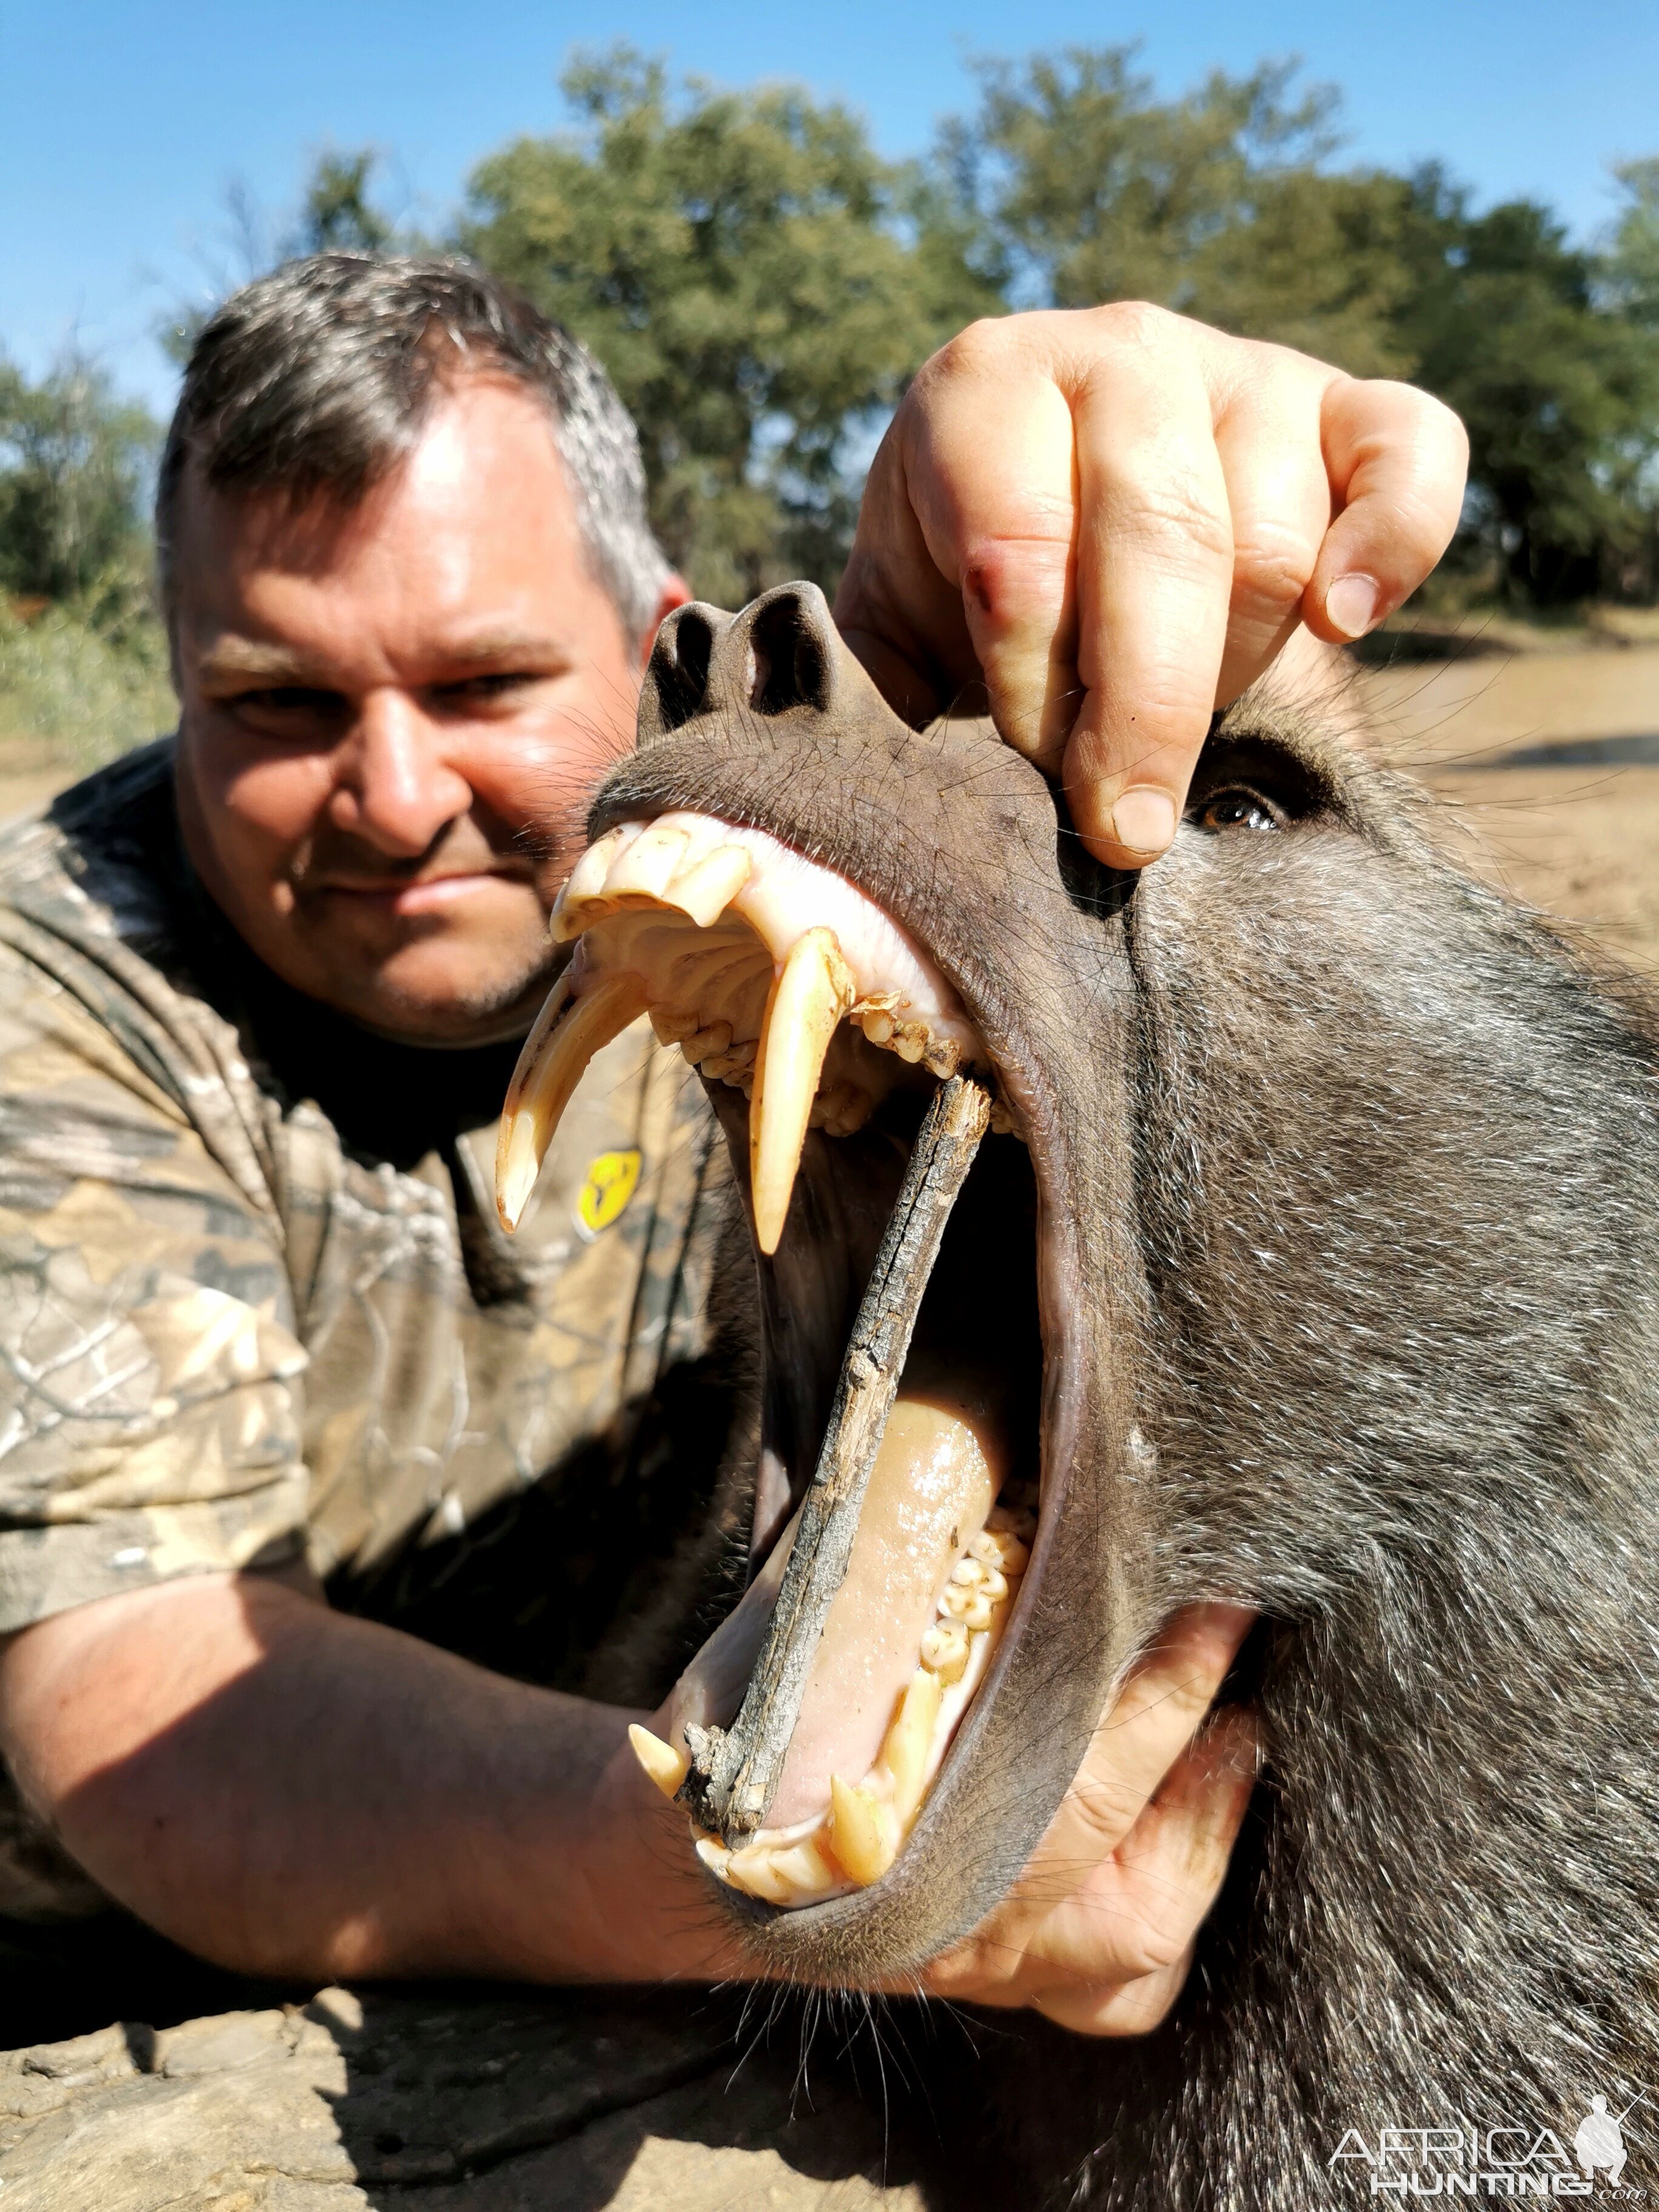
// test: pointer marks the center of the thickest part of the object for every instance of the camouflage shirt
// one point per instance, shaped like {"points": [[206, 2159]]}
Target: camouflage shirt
{"points": [[254, 1301]]}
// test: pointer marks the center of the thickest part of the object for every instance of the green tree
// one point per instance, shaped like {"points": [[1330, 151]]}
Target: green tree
{"points": [[1629, 283], [74, 467], [1508, 322], [83, 662], [1085, 186], [337, 216], [1088, 188], [759, 284], [1631, 273]]}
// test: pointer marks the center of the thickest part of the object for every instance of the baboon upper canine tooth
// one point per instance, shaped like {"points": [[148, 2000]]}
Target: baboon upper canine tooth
{"points": [[699, 911], [803, 1010]]}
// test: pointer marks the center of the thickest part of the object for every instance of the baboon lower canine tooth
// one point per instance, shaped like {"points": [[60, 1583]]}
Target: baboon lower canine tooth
{"points": [[858, 1835], [665, 1766], [566, 1036]]}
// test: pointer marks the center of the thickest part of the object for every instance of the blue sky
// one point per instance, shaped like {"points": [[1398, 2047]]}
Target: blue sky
{"points": [[122, 122]]}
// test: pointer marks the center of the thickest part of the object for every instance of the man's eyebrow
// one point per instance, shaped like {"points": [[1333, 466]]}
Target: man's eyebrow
{"points": [[243, 657], [242, 660], [499, 645]]}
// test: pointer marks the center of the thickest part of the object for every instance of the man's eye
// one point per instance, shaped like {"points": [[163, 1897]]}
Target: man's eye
{"points": [[1237, 807], [288, 699], [498, 684]]}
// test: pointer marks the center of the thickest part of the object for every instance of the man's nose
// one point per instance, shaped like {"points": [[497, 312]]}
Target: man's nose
{"points": [[397, 789]]}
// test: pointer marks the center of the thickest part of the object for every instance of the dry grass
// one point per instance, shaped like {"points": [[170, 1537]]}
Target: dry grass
{"points": [[72, 693]]}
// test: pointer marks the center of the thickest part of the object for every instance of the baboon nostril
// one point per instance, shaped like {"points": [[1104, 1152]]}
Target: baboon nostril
{"points": [[789, 658], [679, 666]]}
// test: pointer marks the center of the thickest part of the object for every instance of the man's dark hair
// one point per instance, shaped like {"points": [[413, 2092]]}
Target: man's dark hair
{"points": [[318, 379]]}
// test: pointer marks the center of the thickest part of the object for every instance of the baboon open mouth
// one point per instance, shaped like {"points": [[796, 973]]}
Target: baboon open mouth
{"points": [[890, 1553]]}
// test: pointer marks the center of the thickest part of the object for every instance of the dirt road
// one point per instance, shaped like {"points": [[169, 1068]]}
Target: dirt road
{"points": [[1552, 762], [1551, 759]]}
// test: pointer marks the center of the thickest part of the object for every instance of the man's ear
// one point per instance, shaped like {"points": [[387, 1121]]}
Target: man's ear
{"points": [[676, 592]]}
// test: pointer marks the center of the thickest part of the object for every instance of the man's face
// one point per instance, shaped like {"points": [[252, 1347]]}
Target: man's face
{"points": [[392, 717]]}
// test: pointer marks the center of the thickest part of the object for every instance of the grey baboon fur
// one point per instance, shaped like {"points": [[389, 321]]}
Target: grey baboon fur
{"points": [[1350, 1193]]}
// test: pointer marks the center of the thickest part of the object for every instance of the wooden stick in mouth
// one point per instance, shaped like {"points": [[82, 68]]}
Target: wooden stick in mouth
{"points": [[734, 1771]]}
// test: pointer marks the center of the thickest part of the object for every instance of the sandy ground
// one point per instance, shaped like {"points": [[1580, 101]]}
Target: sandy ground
{"points": [[1551, 760], [23, 784]]}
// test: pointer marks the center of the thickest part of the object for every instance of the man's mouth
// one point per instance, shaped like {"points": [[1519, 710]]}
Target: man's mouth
{"points": [[417, 895], [807, 1735]]}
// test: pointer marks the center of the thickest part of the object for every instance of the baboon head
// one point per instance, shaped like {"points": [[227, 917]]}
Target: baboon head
{"points": [[1306, 1263]]}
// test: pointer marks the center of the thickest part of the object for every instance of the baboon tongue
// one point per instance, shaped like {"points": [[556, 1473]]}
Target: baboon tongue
{"points": [[852, 1607], [935, 1478]]}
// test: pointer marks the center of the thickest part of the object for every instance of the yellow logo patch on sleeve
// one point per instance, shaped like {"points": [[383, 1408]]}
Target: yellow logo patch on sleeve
{"points": [[612, 1178]]}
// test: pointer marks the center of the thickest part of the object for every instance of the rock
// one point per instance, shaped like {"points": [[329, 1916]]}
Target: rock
{"points": [[445, 2101]]}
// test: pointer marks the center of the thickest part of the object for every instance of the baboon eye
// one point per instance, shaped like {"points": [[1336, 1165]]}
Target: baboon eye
{"points": [[1236, 807]]}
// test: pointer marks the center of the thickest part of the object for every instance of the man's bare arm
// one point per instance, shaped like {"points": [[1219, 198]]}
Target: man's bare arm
{"points": [[292, 1791]]}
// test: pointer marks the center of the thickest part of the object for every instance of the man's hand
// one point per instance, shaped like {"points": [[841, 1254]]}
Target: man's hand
{"points": [[1097, 1934], [1117, 516]]}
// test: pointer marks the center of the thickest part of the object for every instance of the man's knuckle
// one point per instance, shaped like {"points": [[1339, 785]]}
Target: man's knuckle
{"points": [[980, 346], [1105, 1810], [1005, 578], [1270, 571], [1135, 323], [1170, 519], [1156, 1932], [1409, 534], [1388, 417]]}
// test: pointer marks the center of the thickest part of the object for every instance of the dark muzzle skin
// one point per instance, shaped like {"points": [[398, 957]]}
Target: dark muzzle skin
{"points": [[1347, 1186]]}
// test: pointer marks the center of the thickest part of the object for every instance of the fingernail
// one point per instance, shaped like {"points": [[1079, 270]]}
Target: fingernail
{"points": [[1350, 605], [1144, 821]]}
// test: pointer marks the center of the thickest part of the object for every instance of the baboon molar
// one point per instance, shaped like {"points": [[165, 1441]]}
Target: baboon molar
{"points": [[1309, 1263]]}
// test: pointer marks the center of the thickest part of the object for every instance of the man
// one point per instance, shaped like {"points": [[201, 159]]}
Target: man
{"points": [[262, 991]]}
